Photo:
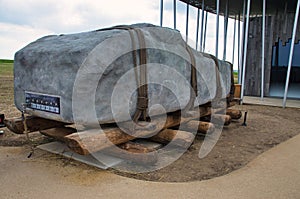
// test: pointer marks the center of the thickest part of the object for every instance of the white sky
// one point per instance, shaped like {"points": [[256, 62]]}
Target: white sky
{"points": [[22, 22]]}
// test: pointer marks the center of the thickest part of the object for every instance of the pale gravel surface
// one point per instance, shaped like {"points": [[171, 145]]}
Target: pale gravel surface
{"points": [[274, 174]]}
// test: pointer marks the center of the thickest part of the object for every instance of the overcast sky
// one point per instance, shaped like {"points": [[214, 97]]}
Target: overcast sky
{"points": [[22, 22]]}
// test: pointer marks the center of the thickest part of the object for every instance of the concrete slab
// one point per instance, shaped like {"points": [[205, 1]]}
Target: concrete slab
{"points": [[61, 149], [291, 103]]}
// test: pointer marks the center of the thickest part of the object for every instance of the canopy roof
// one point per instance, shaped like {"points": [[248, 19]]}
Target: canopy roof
{"points": [[236, 6]]}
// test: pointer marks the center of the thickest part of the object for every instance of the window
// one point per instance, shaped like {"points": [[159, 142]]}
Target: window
{"points": [[281, 52]]}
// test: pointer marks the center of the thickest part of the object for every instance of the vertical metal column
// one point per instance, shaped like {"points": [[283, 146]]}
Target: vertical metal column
{"points": [[161, 11], [225, 31], [202, 27], [187, 22], [234, 35], [291, 55], [197, 29], [242, 44], [217, 28], [245, 50], [263, 50], [239, 47], [205, 28], [174, 9]]}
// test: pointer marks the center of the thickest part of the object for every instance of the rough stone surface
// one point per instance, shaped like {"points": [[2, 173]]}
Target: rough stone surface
{"points": [[93, 74]]}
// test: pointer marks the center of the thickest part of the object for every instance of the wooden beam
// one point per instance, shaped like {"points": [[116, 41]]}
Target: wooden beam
{"points": [[58, 133], [179, 138], [129, 151], [200, 126], [219, 119], [33, 124], [94, 140], [234, 113]]}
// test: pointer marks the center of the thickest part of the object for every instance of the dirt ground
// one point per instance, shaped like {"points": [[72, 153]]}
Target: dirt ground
{"points": [[238, 145]]}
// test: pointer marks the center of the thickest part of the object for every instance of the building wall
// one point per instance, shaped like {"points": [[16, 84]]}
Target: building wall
{"points": [[279, 26]]}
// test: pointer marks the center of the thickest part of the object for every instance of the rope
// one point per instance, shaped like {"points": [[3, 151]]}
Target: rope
{"points": [[142, 101], [194, 87], [26, 131]]}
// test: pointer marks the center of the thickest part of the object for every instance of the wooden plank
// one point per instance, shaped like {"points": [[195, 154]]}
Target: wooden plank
{"points": [[33, 124], [58, 133]]}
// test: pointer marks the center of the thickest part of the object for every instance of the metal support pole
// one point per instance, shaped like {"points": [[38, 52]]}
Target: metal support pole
{"points": [[174, 4], [187, 22], [233, 45], [225, 31], [205, 28], [239, 47], [291, 54], [217, 28], [242, 44], [197, 30], [263, 51], [161, 12], [202, 27], [245, 49]]}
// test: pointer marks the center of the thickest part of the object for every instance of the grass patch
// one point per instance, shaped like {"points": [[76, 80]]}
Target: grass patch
{"points": [[6, 67], [235, 75], [6, 86], [6, 61]]}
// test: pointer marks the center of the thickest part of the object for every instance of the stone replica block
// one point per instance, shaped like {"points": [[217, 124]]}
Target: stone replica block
{"points": [[91, 75]]}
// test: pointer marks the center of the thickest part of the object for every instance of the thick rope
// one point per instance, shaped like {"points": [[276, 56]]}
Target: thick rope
{"points": [[194, 87], [29, 141], [142, 101]]}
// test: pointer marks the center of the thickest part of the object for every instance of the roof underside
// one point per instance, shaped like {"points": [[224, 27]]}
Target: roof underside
{"points": [[236, 6]]}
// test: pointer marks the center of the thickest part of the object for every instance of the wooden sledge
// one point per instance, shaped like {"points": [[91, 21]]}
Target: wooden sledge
{"points": [[160, 130]]}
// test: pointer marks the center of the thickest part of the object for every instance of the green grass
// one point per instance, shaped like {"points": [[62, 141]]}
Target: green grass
{"points": [[7, 88], [235, 75], [6, 67], [7, 61]]}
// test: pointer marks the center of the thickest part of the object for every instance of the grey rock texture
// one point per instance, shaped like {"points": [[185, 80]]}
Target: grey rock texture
{"points": [[94, 76]]}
